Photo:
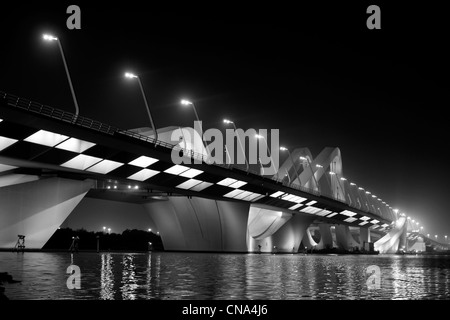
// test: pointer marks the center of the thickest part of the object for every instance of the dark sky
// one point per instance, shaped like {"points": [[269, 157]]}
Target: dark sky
{"points": [[314, 72]]}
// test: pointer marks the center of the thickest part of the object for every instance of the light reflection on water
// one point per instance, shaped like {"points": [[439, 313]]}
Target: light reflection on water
{"points": [[129, 276]]}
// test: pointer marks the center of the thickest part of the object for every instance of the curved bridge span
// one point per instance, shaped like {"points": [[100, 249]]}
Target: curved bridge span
{"points": [[51, 161]]}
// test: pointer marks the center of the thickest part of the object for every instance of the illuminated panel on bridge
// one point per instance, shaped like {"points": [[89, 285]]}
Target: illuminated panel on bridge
{"points": [[312, 210], [293, 198], [237, 184], [332, 215], [374, 221], [6, 142], [323, 213], [385, 225], [176, 169], [363, 223], [243, 195], [81, 162], [143, 175], [189, 184], [191, 173], [46, 138], [374, 226], [277, 194], [226, 182], [364, 218], [348, 213], [75, 145], [350, 219], [288, 197], [201, 186], [311, 203], [254, 197], [105, 166], [233, 193], [298, 205], [143, 161]]}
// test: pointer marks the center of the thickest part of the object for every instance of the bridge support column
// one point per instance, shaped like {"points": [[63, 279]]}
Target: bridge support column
{"points": [[36, 209], [284, 238], [326, 238], [200, 224], [364, 236], [344, 238], [308, 240], [390, 242]]}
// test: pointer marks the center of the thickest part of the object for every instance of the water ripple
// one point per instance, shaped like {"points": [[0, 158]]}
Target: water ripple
{"points": [[128, 276]]}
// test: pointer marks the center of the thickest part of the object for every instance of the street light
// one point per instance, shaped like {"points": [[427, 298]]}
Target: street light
{"points": [[292, 160], [258, 136], [133, 76], [428, 235], [312, 172], [149, 230], [109, 230], [48, 37], [226, 121], [104, 229], [190, 103]]}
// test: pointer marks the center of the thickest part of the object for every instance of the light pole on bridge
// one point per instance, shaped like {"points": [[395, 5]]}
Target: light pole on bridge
{"points": [[51, 38], [312, 171], [293, 164], [133, 76], [190, 103], [226, 121], [258, 136]]}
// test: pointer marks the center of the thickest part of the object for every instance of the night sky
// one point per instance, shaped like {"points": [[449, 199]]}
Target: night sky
{"points": [[316, 73]]}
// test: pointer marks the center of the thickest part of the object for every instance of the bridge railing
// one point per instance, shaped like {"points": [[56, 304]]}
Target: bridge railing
{"points": [[85, 122], [54, 113]]}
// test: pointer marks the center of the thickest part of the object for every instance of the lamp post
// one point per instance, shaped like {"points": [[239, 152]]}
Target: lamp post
{"points": [[226, 121], [332, 173], [133, 76], [258, 136], [104, 229], [293, 163], [190, 103], [312, 172], [50, 38]]}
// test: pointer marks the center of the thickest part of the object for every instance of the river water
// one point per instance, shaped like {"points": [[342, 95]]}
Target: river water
{"points": [[166, 275]]}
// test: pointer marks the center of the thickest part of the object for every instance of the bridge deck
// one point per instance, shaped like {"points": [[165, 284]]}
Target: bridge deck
{"points": [[35, 138]]}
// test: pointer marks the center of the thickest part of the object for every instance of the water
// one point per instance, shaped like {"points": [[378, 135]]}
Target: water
{"points": [[224, 276]]}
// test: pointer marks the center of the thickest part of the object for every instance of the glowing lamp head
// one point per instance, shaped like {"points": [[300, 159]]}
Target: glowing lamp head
{"points": [[227, 121], [130, 75], [303, 158], [185, 102], [258, 136], [48, 37], [283, 149]]}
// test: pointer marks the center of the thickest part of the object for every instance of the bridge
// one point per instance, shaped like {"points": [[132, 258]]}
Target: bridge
{"points": [[51, 161]]}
